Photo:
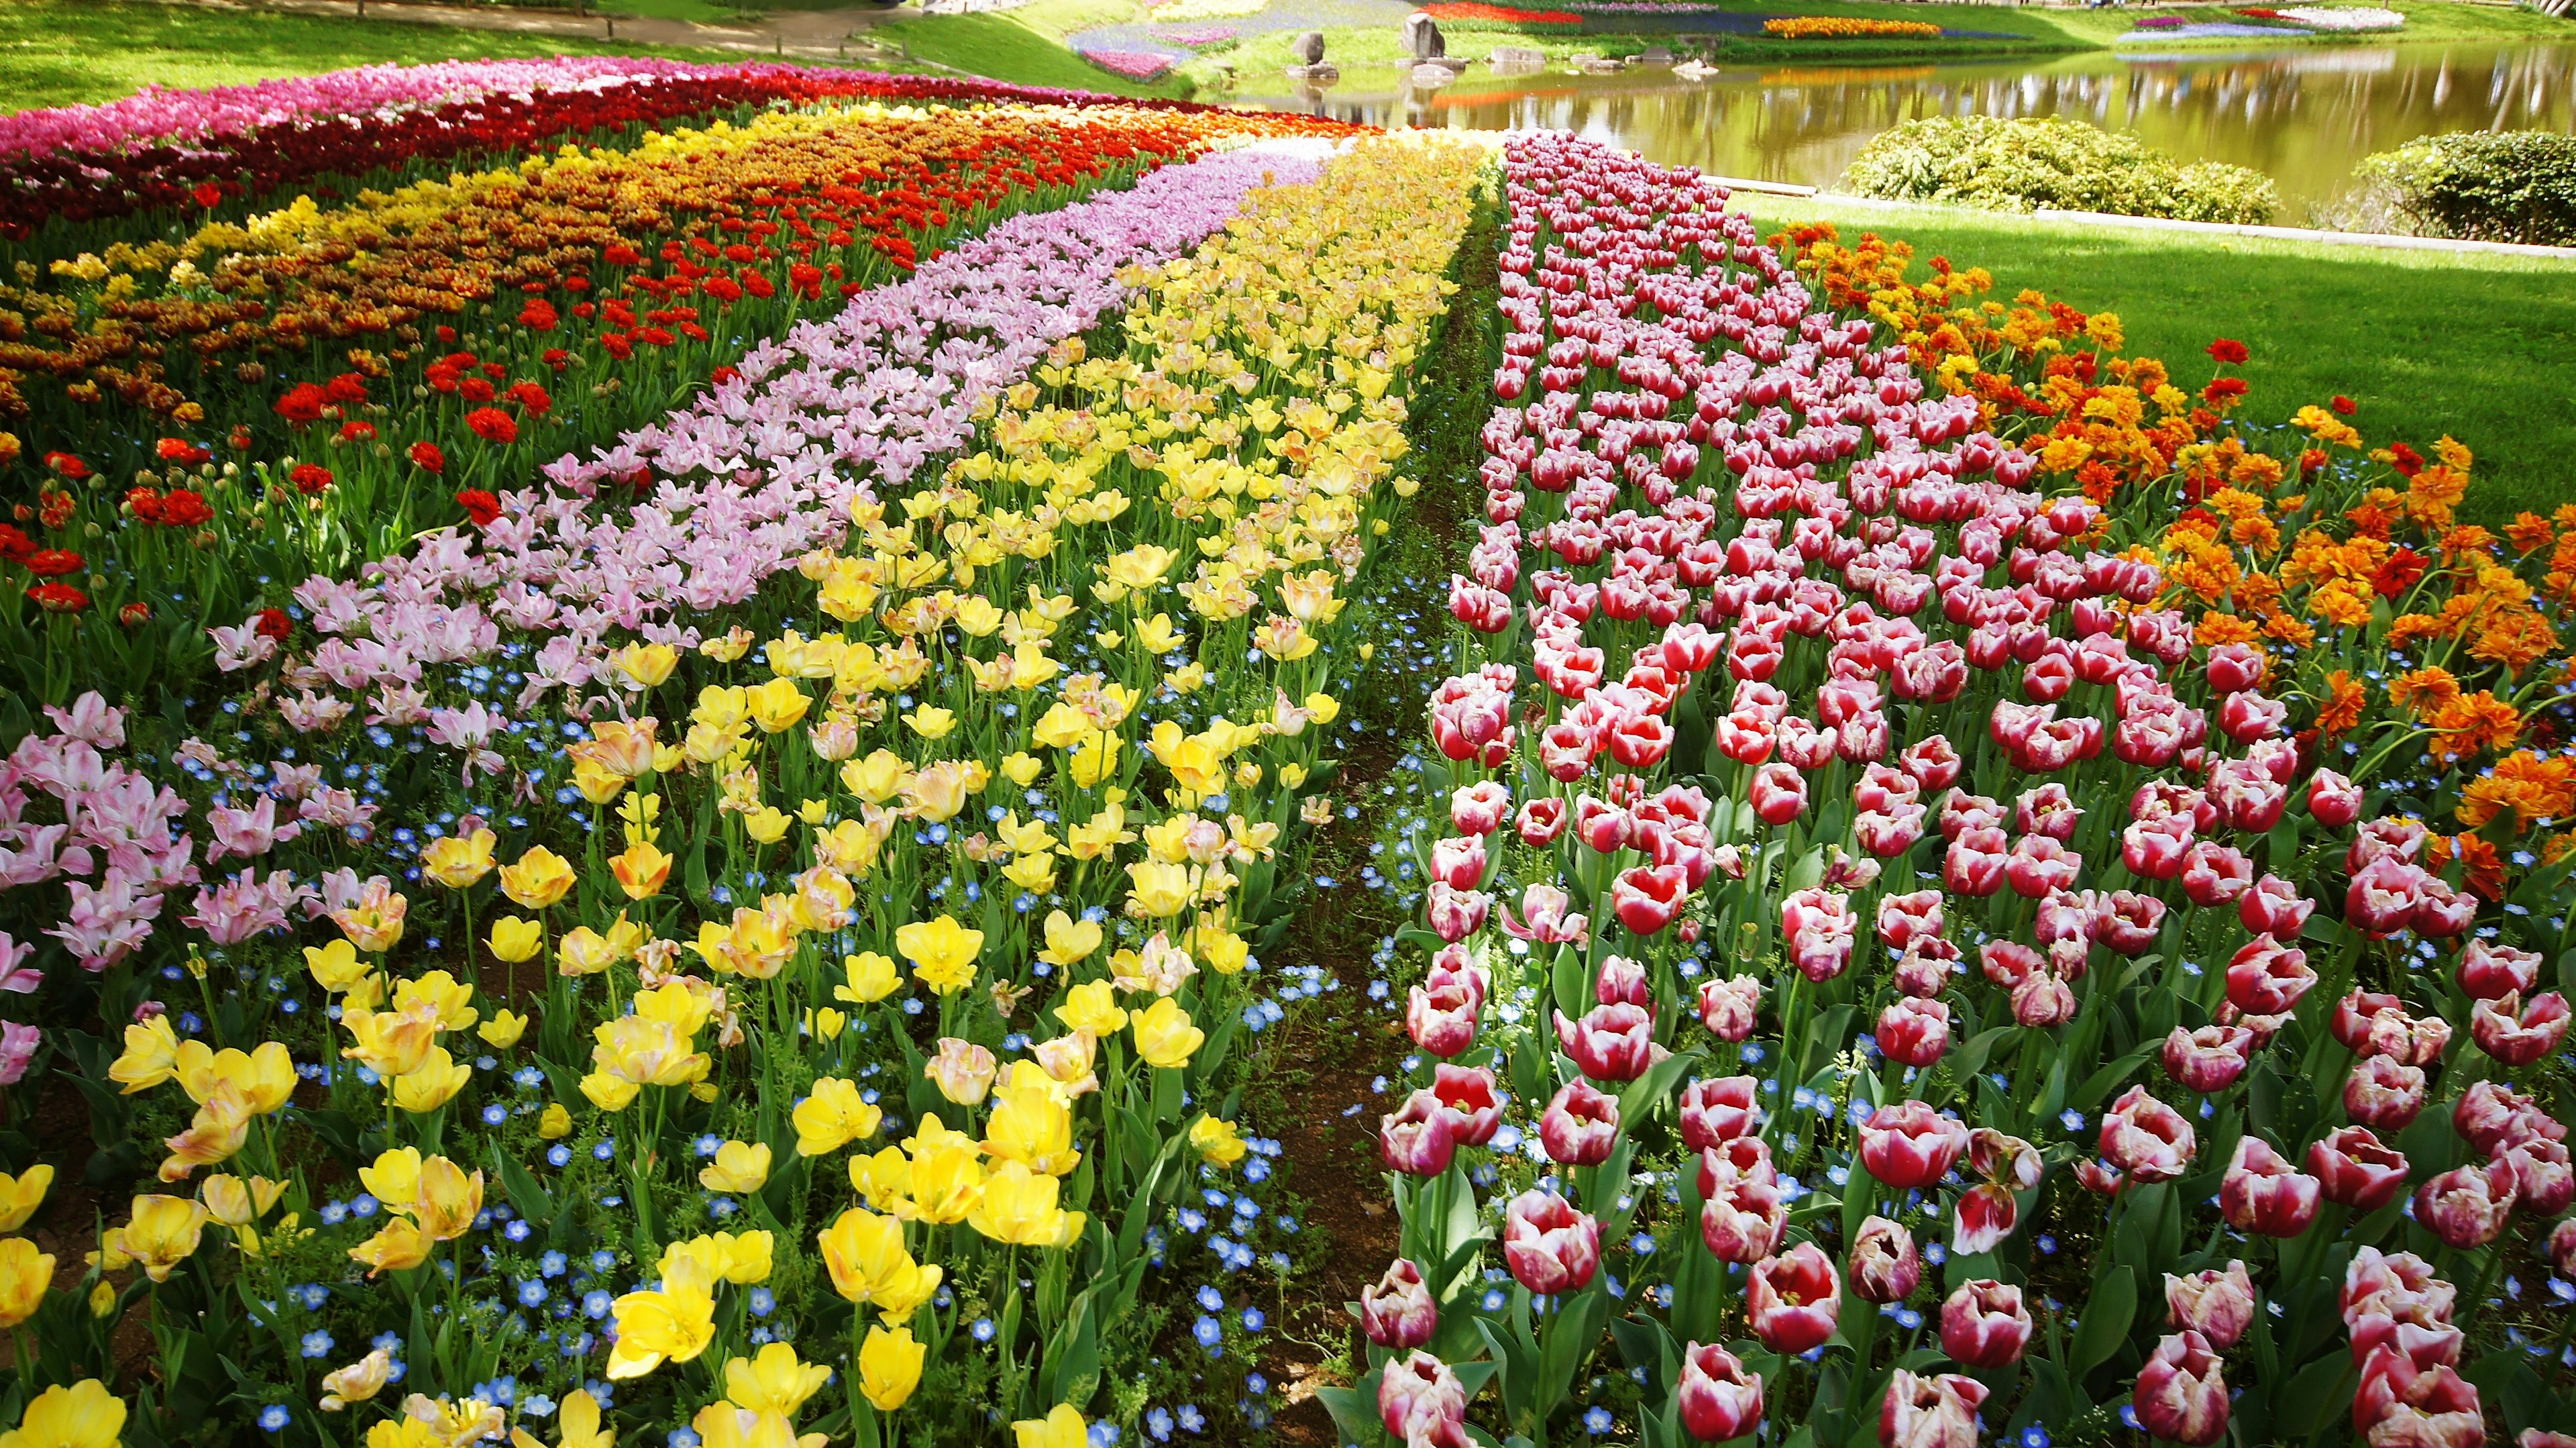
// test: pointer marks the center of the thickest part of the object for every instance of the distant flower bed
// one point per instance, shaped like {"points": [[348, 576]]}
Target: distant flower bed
{"points": [[1133, 64], [1477, 12], [2175, 27], [1816, 27], [2360, 18], [1198, 34], [1209, 9]]}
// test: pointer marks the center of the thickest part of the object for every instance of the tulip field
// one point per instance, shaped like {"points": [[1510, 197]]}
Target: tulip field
{"points": [[680, 741]]}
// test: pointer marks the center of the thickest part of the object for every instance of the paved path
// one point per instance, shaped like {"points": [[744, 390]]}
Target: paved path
{"points": [[795, 34]]}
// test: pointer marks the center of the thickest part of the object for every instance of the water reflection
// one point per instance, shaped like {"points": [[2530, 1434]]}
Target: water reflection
{"points": [[2301, 116]]}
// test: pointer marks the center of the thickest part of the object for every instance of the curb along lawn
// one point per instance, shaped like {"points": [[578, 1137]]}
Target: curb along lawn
{"points": [[756, 854]]}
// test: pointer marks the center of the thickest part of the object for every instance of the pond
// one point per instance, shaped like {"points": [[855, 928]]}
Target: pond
{"points": [[2301, 115]]}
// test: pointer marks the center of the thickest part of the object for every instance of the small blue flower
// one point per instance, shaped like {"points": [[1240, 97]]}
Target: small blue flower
{"points": [[275, 1417], [1596, 1420], [1210, 1333], [983, 1329], [317, 1343], [763, 1302]]}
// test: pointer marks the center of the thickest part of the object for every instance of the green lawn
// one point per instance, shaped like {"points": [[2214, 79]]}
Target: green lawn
{"points": [[2480, 346], [1026, 45], [55, 53]]}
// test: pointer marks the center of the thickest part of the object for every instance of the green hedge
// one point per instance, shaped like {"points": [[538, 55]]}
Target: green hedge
{"points": [[2026, 164], [2483, 185]]}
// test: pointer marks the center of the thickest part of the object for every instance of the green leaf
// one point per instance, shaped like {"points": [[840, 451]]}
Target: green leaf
{"points": [[1649, 1090], [532, 1201], [2106, 1322], [2313, 1396]]}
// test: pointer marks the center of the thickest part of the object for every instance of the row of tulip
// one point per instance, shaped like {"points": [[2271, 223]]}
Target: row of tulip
{"points": [[535, 306], [874, 1072], [2010, 1100]]}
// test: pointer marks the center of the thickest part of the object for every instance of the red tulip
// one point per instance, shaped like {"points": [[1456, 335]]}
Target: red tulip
{"points": [[2146, 1138], [2466, 1206], [1794, 1300], [2490, 972], [1909, 1146], [1778, 793], [1467, 1094], [2274, 907], [1742, 1221], [2215, 874], [1884, 1265], [1744, 737], [2353, 1167], [1984, 1216], [2126, 922], [2181, 1395], [2562, 1248], [1421, 1401], [2401, 1406], [2039, 865], [1460, 861], [2042, 999], [2217, 1305], [2209, 1060], [2233, 668], [1611, 1043], [1442, 1021], [2517, 1034], [1647, 897], [1415, 1139], [1930, 1412], [1549, 1246], [2333, 800], [2440, 911], [1717, 1110], [1975, 862], [1479, 808], [1984, 1325], [1741, 1158], [2007, 963], [1727, 1006], [2398, 1285], [1396, 1311], [2490, 1114], [2543, 1183], [1541, 821], [1717, 1397], [1579, 1126], [2154, 849], [2383, 895], [1914, 1032], [1455, 914], [2382, 1093], [2267, 978], [2262, 1192], [1931, 761]]}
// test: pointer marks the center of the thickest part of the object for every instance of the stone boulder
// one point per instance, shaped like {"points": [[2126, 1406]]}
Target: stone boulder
{"points": [[1421, 36]]}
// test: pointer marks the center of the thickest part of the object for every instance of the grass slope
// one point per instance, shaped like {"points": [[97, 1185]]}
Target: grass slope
{"points": [[55, 53], [2480, 346], [1022, 47]]}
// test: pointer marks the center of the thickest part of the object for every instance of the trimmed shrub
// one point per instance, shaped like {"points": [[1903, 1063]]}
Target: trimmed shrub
{"points": [[2026, 164], [2480, 185]]}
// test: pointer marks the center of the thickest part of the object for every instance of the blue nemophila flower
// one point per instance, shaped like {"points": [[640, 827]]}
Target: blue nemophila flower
{"points": [[317, 1343], [1596, 1420], [983, 1329], [275, 1417], [1210, 1333]]}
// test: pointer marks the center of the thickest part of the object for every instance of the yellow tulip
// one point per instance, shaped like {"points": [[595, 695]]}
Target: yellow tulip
{"points": [[452, 1000], [826, 1023], [393, 1178], [623, 748], [673, 1323], [1034, 874], [265, 1076], [1021, 768], [20, 1195], [359, 1382], [931, 722], [433, 1085], [597, 782], [1018, 1206], [1067, 1061], [503, 1030], [608, 1093], [767, 825], [392, 1042], [1031, 1126], [584, 951], [641, 870], [447, 1200], [84, 1415], [1164, 1035], [1092, 1007], [335, 966], [25, 1273], [646, 664], [1324, 707], [554, 1123], [864, 1253], [878, 778], [884, 1181], [937, 793], [395, 1248], [1160, 889], [890, 1367], [375, 921], [1223, 950], [742, 1259], [151, 1054], [514, 938], [947, 1175], [739, 1167], [1216, 1141], [833, 1117], [238, 1203], [162, 1232], [774, 1381], [777, 705], [457, 861], [870, 976], [942, 952], [1062, 1427], [539, 879], [1069, 941]]}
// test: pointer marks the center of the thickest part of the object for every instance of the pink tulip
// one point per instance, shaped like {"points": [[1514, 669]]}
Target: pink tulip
{"points": [[1984, 1325], [2274, 907], [1549, 1246], [1415, 1138], [2516, 1034], [1468, 1097], [2383, 1094], [2126, 922], [1976, 862], [1396, 1311], [2154, 849], [1460, 861], [2207, 1061], [2399, 1405], [2466, 1206], [1647, 898], [1442, 1021], [1541, 821], [2562, 1248], [1455, 914], [2215, 874], [1622, 982], [1792, 1301], [1742, 1221], [1930, 1412], [2217, 1305], [2039, 865], [2146, 1138], [1884, 1264], [2383, 895], [2543, 1181], [1717, 1110], [2267, 978], [1579, 1126], [1908, 1146], [2353, 1168], [2440, 911], [1778, 793], [2489, 1114], [1611, 1043], [2181, 1395], [1480, 808], [2262, 1192], [2490, 972], [1914, 1032], [1421, 1401], [1718, 1398], [2333, 800], [1727, 1007]]}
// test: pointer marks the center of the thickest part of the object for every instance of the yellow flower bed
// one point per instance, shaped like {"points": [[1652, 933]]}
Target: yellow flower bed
{"points": [[1821, 27]]}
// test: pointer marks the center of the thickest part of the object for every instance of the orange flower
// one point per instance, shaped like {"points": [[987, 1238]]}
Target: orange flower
{"points": [[2529, 532], [2533, 786], [2222, 628], [2474, 722], [2423, 691], [2344, 699]]}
